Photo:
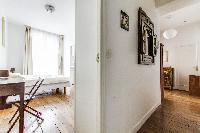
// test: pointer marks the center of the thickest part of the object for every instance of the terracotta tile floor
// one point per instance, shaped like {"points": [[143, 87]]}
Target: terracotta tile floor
{"points": [[56, 111], [180, 113]]}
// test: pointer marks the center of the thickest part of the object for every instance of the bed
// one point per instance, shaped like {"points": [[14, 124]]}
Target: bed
{"points": [[50, 83]]}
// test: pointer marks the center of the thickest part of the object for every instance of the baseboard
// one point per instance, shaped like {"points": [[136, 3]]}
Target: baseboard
{"points": [[144, 119], [181, 89]]}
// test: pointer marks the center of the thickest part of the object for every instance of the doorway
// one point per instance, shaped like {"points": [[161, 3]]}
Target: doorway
{"points": [[51, 27]]}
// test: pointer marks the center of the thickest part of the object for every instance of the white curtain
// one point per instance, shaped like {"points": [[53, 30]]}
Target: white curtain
{"points": [[61, 55], [27, 61], [45, 53]]}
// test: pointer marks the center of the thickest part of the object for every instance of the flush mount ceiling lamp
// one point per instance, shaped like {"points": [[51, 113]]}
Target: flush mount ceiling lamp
{"points": [[169, 34], [49, 8]]}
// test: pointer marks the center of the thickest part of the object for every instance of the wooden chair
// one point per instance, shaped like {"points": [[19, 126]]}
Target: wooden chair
{"points": [[28, 98]]}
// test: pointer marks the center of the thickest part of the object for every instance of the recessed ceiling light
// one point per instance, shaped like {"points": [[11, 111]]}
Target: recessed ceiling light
{"points": [[49, 8]]}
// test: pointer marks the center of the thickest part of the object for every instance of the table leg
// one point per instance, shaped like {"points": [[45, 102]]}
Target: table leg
{"points": [[21, 111]]}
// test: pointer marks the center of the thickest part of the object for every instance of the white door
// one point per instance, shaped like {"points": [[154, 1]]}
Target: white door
{"points": [[87, 77], [186, 62]]}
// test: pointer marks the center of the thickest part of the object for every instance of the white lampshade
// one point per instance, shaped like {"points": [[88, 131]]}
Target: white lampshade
{"points": [[169, 34]]}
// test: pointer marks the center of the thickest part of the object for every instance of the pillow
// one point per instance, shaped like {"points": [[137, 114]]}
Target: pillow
{"points": [[15, 75]]}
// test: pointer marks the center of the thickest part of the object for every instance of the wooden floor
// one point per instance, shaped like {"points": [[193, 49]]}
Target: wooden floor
{"points": [[180, 113], [57, 113]]}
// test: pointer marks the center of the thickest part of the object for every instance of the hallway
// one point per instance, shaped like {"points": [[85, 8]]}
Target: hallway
{"points": [[180, 113]]}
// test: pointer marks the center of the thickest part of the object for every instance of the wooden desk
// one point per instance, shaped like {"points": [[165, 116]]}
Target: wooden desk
{"points": [[3, 105], [17, 87]]}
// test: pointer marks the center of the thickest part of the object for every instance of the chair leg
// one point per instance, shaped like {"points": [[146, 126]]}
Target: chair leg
{"points": [[34, 110], [32, 93], [14, 115], [26, 106], [9, 130], [37, 116]]}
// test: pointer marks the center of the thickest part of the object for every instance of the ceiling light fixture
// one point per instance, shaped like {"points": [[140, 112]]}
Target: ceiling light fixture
{"points": [[49, 8], [169, 34]]}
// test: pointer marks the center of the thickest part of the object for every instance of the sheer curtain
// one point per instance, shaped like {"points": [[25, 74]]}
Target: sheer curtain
{"points": [[45, 53], [27, 61], [61, 55]]}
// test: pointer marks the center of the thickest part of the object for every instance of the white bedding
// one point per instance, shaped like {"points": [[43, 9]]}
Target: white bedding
{"points": [[50, 82], [30, 80]]}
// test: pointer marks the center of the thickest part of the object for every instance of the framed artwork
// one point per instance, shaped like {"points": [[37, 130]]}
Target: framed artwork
{"points": [[124, 19]]}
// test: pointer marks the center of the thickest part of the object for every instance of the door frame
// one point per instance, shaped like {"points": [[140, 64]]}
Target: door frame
{"points": [[103, 65], [161, 73]]}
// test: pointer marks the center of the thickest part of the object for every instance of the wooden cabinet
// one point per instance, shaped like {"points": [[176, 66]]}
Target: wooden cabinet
{"points": [[194, 85], [168, 77]]}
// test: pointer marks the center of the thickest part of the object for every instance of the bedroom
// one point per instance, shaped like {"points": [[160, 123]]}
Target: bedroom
{"points": [[37, 42]]}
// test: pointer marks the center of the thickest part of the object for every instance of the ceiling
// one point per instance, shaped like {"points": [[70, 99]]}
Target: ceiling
{"points": [[33, 13], [160, 3], [173, 5], [186, 15]]}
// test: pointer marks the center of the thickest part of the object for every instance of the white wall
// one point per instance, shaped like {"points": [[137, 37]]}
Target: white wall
{"points": [[2, 58], [15, 46], [62, 21], [2, 49], [132, 91], [182, 54], [12, 54]]}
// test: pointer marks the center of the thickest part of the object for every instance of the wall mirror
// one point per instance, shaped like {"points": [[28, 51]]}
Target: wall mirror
{"points": [[147, 40]]}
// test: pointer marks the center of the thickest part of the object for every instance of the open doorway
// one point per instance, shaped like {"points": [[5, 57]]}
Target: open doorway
{"points": [[38, 46], [180, 36], [179, 69]]}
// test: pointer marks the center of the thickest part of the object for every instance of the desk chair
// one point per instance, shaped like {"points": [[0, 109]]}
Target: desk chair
{"points": [[28, 98]]}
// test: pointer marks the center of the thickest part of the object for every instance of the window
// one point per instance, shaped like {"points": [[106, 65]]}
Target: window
{"points": [[45, 53]]}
